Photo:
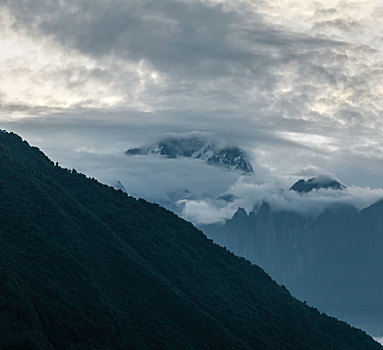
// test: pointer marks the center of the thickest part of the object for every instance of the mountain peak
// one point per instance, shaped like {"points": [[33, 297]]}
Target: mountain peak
{"points": [[240, 213], [197, 146], [316, 183]]}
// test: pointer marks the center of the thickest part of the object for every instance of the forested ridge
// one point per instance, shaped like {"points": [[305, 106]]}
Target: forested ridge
{"points": [[83, 266]]}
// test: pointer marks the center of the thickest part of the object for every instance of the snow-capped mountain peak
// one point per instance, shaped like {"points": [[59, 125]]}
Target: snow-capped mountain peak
{"points": [[198, 147]]}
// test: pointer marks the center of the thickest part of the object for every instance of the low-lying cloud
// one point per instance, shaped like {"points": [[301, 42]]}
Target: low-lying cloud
{"points": [[250, 195], [200, 193]]}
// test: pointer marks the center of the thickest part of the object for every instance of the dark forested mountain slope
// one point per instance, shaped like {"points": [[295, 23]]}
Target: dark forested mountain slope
{"points": [[83, 266]]}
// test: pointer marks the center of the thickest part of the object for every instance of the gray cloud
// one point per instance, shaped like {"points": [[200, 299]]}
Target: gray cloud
{"points": [[170, 34], [298, 86]]}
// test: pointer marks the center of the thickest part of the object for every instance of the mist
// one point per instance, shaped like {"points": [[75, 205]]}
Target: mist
{"points": [[248, 195]]}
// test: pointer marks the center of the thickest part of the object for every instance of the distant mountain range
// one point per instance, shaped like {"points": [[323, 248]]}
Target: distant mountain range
{"points": [[198, 147], [84, 266], [333, 261]]}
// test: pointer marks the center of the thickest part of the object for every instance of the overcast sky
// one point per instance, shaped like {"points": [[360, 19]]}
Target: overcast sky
{"points": [[297, 84]]}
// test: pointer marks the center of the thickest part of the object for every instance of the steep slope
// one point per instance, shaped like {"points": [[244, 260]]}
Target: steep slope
{"points": [[84, 266]]}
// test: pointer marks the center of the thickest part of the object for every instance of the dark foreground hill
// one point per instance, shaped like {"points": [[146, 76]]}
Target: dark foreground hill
{"points": [[83, 266]]}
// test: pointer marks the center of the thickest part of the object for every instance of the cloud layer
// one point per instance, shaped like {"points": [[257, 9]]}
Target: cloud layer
{"points": [[249, 195], [298, 85]]}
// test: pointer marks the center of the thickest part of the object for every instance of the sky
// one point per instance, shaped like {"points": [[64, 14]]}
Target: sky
{"points": [[297, 84]]}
